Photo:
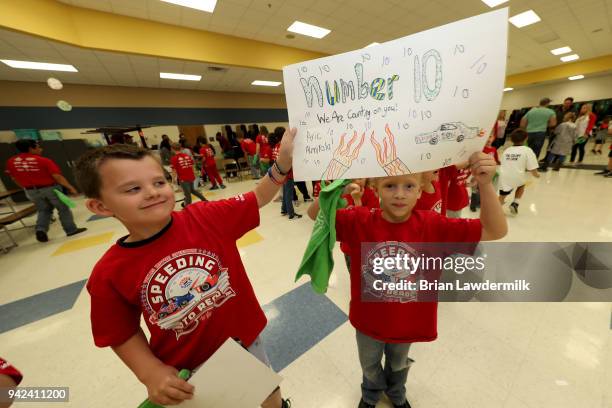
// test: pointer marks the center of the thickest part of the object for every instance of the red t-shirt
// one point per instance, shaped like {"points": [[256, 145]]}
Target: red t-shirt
{"points": [[368, 200], [395, 322], [208, 155], [430, 201], [187, 281], [7, 369], [248, 146], [491, 151], [183, 165], [316, 188], [32, 170], [458, 198], [265, 151]]}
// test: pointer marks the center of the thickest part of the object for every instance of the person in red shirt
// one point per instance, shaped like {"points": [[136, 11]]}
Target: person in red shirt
{"points": [[431, 198], [39, 177], [264, 151], [181, 271], [387, 325], [249, 148], [209, 165], [182, 168], [453, 188]]}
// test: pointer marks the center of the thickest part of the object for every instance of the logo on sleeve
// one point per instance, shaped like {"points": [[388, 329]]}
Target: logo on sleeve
{"points": [[184, 288]]}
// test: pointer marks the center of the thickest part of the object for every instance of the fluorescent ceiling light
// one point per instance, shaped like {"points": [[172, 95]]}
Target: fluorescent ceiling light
{"points": [[508, 89], [493, 3], [184, 77], [372, 45], [575, 77], [308, 29], [39, 65], [562, 50], [570, 58], [525, 19], [203, 5], [266, 83]]}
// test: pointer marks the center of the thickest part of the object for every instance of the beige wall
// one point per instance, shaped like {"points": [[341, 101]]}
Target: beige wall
{"points": [[39, 94], [580, 90]]}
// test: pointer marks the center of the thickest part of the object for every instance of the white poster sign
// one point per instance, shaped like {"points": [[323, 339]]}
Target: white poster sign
{"points": [[413, 104]]}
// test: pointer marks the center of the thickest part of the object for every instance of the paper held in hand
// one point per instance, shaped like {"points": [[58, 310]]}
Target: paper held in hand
{"points": [[413, 104], [232, 378]]}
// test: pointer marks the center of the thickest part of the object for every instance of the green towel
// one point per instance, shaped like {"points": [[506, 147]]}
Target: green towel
{"points": [[318, 260], [64, 198]]}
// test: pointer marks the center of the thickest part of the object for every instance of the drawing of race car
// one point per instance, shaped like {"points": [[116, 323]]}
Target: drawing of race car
{"points": [[174, 304], [451, 131]]}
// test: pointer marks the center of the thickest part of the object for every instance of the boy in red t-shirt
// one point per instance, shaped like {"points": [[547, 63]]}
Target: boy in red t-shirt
{"points": [[264, 151], [181, 271], [209, 165], [182, 169], [390, 327]]}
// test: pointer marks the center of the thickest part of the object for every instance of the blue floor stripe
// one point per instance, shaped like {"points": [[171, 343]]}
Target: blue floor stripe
{"points": [[39, 306], [297, 321], [97, 217]]}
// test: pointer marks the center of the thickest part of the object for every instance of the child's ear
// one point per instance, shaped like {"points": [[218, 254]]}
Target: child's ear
{"points": [[96, 206]]}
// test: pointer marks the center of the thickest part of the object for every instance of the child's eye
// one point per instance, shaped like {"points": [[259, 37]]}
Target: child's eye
{"points": [[133, 190], [160, 183]]}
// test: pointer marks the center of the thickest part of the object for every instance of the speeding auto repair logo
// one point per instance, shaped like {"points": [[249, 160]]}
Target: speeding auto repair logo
{"points": [[184, 288], [373, 276]]}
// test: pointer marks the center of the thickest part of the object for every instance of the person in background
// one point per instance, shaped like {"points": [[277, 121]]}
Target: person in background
{"points": [[565, 137], [516, 161], [182, 167], [165, 150], [40, 177], [584, 124], [249, 148], [536, 122], [182, 140], [264, 151], [210, 166], [499, 130], [601, 134]]}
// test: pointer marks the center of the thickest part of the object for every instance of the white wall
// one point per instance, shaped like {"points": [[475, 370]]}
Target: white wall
{"points": [[581, 90]]}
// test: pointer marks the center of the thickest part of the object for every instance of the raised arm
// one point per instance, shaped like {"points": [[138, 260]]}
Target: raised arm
{"points": [[492, 218], [269, 185]]}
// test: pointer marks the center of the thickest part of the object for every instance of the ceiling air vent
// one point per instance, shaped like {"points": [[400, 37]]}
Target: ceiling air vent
{"points": [[217, 69]]}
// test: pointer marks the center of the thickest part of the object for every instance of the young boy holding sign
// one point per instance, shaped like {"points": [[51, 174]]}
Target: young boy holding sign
{"points": [[387, 327], [180, 270]]}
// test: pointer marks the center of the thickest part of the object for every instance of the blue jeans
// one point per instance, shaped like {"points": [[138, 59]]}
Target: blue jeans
{"points": [[535, 141], [45, 201], [392, 378], [287, 206]]}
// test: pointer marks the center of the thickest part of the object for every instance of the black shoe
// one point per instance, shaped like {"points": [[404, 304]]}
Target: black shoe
{"points": [[306, 200], [363, 404], [543, 169], [602, 173], [608, 174], [78, 231], [286, 403], [222, 186], [514, 208], [404, 405], [295, 216], [41, 236], [215, 187]]}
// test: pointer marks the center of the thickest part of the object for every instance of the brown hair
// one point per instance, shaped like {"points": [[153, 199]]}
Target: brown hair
{"points": [[518, 136], [88, 165]]}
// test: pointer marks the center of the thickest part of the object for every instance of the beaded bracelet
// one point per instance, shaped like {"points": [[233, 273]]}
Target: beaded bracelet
{"points": [[273, 179]]}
